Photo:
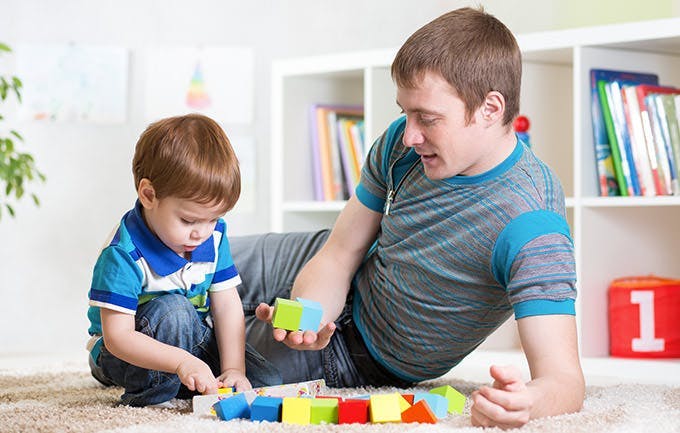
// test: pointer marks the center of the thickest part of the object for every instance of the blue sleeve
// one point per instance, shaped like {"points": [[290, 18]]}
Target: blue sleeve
{"points": [[533, 259], [372, 187], [116, 281]]}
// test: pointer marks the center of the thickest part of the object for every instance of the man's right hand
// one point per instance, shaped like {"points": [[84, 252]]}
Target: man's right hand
{"points": [[307, 340]]}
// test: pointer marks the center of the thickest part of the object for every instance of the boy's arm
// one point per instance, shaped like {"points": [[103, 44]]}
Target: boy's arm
{"points": [[230, 332], [556, 386], [124, 342], [326, 277]]}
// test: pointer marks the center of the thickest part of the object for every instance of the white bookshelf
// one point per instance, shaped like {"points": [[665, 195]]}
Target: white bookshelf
{"points": [[613, 236]]}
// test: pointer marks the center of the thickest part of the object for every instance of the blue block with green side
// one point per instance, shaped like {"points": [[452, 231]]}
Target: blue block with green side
{"points": [[438, 403], [311, 315]]}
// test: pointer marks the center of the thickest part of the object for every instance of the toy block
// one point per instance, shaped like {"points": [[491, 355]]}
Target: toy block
{"points": [[287, 314], [385, 408], [226, 391], [266, 408], [353, 411], [232, 407], [439, 404], [403, 403], [419, 412], [311, 315], [408, 398], [456, 399], [296, 410], [338, 398], [324, 410]]}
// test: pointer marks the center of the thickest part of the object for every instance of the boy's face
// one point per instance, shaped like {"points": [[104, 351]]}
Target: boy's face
{"points": [[182, 225], [436, 129]]}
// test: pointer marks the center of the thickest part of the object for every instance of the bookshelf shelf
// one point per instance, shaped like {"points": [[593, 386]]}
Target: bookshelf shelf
{"points": [[613, 236]]}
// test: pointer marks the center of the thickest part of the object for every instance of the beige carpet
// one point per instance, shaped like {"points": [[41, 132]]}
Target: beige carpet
{"points": [[71, 401]]}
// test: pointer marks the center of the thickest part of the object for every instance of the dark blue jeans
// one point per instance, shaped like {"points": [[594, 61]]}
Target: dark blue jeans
{"points": [[172, 319], [268, 265]]}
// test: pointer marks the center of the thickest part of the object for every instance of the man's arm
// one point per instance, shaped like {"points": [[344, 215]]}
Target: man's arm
{"points": [[326, 277], [556, 387]]}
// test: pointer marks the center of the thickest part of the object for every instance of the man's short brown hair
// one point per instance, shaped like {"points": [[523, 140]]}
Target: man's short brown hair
{"points": [[472, 50], [188, 157]]}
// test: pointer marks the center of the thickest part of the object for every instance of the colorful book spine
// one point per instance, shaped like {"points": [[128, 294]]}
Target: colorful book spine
{"points": [[608, 179]]}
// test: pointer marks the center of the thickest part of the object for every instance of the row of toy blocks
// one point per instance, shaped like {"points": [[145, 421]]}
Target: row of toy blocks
{"points": [[421, 407], [299, 315]]}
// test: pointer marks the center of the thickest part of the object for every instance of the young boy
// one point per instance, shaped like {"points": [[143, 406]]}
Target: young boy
{"points": [[163, 293]]}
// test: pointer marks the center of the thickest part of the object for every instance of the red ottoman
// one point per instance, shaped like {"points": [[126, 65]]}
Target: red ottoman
{"points": [[644, 317]]}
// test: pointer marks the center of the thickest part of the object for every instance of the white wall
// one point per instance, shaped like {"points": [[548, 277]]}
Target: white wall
{"points": [[47, 253]]}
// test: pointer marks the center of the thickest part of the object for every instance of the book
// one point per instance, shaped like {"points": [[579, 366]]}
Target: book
{"points": [[643, 164], [664, 128], [622, 138], [654, 133], [608, 184], [330, 170], [621, 172]]}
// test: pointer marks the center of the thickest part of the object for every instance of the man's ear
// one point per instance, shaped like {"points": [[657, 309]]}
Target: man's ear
{"points": [[146, 193], [493, 108]]}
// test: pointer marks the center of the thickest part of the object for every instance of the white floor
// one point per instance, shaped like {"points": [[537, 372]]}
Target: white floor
{"points": [[475, 368]]}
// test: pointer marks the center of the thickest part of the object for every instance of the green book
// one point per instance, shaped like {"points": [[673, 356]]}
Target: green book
{"points": [[613, 141]]}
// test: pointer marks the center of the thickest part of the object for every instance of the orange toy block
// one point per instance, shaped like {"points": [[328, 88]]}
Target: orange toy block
{"points": [[385, 408], [408, 398], [419, 412]]}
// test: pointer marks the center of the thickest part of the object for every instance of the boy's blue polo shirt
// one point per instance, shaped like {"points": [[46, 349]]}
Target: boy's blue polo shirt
{"points": [[135, 267]]}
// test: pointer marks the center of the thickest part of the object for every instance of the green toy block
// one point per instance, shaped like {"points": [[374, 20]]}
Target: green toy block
{"points": [[287, 314], [324, 410], [455, 398]]}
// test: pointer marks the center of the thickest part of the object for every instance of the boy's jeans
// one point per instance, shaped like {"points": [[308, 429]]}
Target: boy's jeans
{"points": [[172, 319]]}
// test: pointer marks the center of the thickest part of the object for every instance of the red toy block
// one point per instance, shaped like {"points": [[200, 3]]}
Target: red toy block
{"points": [[419, 412], [353, 411]]}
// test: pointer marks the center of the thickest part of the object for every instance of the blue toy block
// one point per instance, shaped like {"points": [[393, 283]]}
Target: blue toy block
{"points": [[232, 407], [311, 315], [438, 403], [266, 409]]}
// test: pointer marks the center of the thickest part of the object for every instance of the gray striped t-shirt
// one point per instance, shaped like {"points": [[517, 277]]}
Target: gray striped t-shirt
{"points": [[455, 257]]}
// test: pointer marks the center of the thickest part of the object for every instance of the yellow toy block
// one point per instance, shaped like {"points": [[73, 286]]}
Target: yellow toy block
{"points": [[455, 398], [403, 403], [385, 408], [296, 410]]}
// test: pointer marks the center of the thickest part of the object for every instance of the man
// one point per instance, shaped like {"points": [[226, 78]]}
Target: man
{"points": [[455, 225]]}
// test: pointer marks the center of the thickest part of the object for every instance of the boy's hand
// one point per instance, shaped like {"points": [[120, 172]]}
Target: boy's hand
{"points": [[308, 340], [235, 378], [196, 375]]}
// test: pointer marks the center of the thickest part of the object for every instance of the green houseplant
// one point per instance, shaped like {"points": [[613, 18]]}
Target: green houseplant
{"points": [[16, 168]]}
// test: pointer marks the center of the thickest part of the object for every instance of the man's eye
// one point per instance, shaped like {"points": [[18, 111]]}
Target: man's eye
{"points": [[427, 120]]}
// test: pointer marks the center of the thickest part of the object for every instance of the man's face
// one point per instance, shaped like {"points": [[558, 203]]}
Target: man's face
{"points": [[436, 129]]}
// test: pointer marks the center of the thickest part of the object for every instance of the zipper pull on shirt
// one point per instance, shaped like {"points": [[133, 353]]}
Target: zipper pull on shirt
{"points": [[388, 201]]}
